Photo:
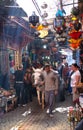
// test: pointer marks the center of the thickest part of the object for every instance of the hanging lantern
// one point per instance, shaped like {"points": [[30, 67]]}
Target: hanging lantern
{"points": [[34, 19], [75, 41], [75, 35], [60, 13], [74, 18], [45, 14], [40, 27], [44, 5], [74, 46], [75, 11], [77, 25], [43, 33]]}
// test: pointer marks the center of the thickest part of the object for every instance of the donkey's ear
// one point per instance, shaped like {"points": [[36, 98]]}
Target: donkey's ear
{"points": [[33, 69]]}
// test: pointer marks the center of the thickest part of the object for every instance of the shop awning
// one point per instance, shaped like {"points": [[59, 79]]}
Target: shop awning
{"points": [[12, 11]]}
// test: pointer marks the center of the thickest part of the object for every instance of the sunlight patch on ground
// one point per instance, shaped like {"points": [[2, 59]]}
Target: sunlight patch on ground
{"points": [[17, 126]]}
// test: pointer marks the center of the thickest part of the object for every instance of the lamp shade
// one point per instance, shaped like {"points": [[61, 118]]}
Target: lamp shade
{"points": [[44, 5], [74, 46], [75, 11], [40, 27], [75, 41], [75, 35], [34, 19], [74, 18], [45, 14], [43, 33]]}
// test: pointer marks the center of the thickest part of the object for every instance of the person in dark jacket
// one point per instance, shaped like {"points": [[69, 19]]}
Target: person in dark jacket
{"points": [[28, 86], [19, 85]]}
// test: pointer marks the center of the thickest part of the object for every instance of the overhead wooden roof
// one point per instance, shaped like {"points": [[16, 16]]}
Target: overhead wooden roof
{"points": [[17, 32], [12, 11]]}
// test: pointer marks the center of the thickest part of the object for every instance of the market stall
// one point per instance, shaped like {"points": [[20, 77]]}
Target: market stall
{"points": [[7, 100]]}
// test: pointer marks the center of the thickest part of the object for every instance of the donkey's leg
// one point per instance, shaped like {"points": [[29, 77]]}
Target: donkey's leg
{"points": [[43, 99], [38, 96]]}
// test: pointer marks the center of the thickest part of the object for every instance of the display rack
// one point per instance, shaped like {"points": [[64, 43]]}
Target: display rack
{"points": [[75, 115]]}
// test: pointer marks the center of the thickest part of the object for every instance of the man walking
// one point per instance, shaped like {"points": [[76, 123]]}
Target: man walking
{"points": [[51, 87]]}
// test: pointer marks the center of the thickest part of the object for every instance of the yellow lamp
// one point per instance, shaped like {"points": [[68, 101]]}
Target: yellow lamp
{"points": [[40, 27], [74, 18], [43, 33]]}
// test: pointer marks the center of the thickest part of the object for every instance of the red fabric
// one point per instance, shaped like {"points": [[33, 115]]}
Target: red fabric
{"points": [[75, 35]]}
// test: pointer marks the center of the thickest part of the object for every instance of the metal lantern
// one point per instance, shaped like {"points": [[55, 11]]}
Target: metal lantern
{"points": [[75, 11], [44, 5], [34, 19], [45, 14]]}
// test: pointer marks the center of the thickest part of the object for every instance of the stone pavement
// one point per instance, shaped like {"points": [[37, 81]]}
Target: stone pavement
{"points": [[37, 119]]}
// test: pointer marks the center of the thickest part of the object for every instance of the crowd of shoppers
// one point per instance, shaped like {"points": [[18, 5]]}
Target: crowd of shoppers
{"points": [[69, 77], [23, 86]]}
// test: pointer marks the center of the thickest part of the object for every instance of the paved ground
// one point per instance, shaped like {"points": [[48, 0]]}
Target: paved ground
{"points": [[37, 119]]}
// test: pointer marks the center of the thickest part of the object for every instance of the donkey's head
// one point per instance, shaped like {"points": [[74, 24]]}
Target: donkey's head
{"points": [[37, 76]]}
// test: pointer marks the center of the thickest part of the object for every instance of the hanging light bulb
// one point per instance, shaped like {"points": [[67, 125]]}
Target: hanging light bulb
{"points": [[34, 19]]}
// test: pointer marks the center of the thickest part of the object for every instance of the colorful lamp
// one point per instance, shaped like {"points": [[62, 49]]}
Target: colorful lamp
{"points": [[75, 35], [43, 33], [74, 46], [74, 43]]}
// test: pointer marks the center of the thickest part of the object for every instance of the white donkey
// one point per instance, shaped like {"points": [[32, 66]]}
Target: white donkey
{"points": [[37, 79]]}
